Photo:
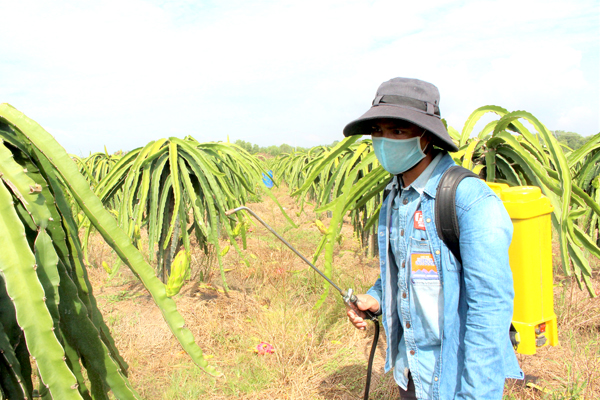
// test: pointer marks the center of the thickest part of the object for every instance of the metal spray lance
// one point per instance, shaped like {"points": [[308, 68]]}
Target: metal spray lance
{"points": [[348, 296]]}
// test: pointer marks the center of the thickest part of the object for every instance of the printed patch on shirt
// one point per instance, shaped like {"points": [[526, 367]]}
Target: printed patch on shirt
{"points": [[423, 266], [419, 223]]}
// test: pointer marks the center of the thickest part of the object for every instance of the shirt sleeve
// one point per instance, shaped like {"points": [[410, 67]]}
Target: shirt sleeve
{"points": [[485, 236], [375, 291]]}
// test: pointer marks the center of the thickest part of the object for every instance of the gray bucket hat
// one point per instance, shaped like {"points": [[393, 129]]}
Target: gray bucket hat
{"points": [[410, 100]]}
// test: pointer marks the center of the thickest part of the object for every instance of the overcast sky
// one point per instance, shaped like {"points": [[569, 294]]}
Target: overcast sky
{"points": [[123, 72]]}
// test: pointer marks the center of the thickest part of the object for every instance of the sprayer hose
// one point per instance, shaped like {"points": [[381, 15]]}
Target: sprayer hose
{"points": [[371, 357]]}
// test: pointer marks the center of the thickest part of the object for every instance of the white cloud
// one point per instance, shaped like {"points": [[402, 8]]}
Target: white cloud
{"points": [[571, 118], [124, 72]]}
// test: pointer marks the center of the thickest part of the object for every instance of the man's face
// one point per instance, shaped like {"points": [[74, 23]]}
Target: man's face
{"points": [[399, 129], [394, 129]]}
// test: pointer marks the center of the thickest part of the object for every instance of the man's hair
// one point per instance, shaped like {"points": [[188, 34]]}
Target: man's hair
{"points": [[433, 142]]}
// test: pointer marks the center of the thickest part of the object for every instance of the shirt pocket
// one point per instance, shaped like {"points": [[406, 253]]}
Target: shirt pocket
{"points": [[426, 294], [448, 261]]}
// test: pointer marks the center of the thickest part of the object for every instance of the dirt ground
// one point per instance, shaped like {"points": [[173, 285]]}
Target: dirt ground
{"points": [[318, 354]]}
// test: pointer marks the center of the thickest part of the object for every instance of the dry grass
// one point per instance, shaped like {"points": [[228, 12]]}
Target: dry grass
{"points": [[318, 353], [572, 369]]}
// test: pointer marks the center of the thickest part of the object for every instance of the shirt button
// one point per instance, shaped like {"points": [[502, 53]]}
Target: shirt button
{"points": [[404, 295], [403, 262], [436, 378], [408, 325], [402, 232], [437, 252], [412, 352], [405, 201], [428, 219]]}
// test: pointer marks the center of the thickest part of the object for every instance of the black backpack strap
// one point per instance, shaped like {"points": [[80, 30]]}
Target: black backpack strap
{"points": [[387, 191], [446, 221]]}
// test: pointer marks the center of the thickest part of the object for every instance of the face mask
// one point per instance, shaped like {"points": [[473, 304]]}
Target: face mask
{"points": [[398, 155]]}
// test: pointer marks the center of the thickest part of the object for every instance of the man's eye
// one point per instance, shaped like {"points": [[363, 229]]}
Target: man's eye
{"points": [[398, 131]]}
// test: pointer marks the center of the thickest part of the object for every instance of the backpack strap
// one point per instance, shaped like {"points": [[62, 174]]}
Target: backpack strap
{"points": [[387, 191], [446, 221]]}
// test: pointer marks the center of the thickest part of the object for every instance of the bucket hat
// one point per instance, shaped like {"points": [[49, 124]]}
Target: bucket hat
{"points": [[410, 100]]}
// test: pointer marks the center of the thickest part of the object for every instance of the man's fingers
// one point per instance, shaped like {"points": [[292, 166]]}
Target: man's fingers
{"points": [[357, 321], [355, 312], [354, 317]]}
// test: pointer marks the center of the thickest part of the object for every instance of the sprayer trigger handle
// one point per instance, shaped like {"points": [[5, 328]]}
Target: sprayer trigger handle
{"points": [[351, 301], [370, 315]]}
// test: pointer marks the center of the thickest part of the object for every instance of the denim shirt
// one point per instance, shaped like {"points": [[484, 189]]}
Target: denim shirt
{"points": [[420, 305], [475, 352]]}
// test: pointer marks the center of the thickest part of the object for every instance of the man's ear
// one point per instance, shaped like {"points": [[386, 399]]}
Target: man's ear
{"points": [[426, 142]]}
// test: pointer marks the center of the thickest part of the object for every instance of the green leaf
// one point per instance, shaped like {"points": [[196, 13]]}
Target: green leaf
{"points": [[106, 225], [475, 117], [22, 285]]}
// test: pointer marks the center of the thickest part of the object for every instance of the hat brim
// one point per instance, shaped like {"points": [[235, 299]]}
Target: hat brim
{"points": [[433, 124]]}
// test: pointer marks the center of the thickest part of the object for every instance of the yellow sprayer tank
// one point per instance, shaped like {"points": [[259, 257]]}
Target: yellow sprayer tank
{"points": [[530, 257]]}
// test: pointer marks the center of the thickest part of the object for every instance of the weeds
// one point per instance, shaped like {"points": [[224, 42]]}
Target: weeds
{"points": [[572, 386], [121, 296]]}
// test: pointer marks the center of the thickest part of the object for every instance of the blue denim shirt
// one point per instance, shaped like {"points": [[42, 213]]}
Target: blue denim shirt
{"points": [[420, 305], [475, 353]]}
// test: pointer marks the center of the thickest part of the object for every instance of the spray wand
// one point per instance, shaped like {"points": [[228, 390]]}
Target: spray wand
{"points": [[348, 296]]}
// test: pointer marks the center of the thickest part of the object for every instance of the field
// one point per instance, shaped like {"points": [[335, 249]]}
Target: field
{"points": [[318, 354], [253, 313]]}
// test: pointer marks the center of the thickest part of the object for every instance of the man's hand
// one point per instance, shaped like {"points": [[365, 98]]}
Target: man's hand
{"points": [[365, 302]]}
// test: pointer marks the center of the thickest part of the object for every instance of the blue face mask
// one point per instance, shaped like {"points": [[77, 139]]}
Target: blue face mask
{"points": [[398, 155]]}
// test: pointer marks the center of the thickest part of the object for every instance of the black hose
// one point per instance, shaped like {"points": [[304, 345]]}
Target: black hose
{"points": [[371, 357]]}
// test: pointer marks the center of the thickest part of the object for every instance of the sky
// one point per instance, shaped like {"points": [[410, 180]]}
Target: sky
{"points": [[120, 73]]}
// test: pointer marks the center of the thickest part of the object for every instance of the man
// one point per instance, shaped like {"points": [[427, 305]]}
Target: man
{"points": [[446, 323]]}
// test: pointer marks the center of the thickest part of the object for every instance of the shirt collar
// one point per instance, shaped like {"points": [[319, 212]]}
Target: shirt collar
{"points": [[419, 183]]}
